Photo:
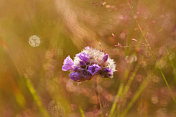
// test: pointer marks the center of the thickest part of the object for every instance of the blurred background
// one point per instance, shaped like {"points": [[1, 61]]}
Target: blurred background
{"points": [[140, 35]]}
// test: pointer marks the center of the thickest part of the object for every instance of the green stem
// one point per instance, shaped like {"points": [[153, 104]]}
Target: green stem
{"points": [[36, 98], [137, 94]]}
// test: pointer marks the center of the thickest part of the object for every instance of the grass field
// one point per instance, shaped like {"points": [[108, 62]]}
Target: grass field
{"points": [[140, 35]]}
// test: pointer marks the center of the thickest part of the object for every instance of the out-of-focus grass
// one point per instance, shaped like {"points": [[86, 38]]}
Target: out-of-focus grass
{"points": [[36, 98], [137, 94], [82, 112], [144, 29]]}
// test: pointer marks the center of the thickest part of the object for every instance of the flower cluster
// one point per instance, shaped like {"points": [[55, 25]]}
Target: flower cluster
{"points": [[88, 63]]}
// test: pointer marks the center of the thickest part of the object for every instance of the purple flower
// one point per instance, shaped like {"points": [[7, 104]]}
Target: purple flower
{"points": [[85, 57], [105, 57], [86, 64], [68, 63], [75, 68], [86, 74], [75, 76], [93, 69], [107, 70], [106, 73], [82, 64]]}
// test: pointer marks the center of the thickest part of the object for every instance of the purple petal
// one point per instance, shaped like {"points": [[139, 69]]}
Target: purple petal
{"points": [[68, 63], [75, 68], [82, 64], [85, 57], [86, 74], [106, 73], [107, 70], [105, 57], [78, 69], [75, 76], [93, 69]]}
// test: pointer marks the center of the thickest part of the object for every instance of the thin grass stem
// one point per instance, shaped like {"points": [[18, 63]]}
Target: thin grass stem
{"points": [[36, 98], [82, 112], [153, 55], [116, 100], [137, 94]]}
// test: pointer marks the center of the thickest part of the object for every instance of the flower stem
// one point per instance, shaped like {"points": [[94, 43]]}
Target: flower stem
{"points": [[100, 107]]}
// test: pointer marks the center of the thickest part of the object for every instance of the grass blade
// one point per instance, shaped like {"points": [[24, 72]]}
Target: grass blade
{"points": [[82, 112], [137, 94]]}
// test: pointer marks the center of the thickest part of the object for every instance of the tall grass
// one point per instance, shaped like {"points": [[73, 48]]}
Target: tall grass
{"points": [[64, 28]]}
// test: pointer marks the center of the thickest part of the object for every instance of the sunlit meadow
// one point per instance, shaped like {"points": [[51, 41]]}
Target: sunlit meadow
{"points": [[37, 35]]}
